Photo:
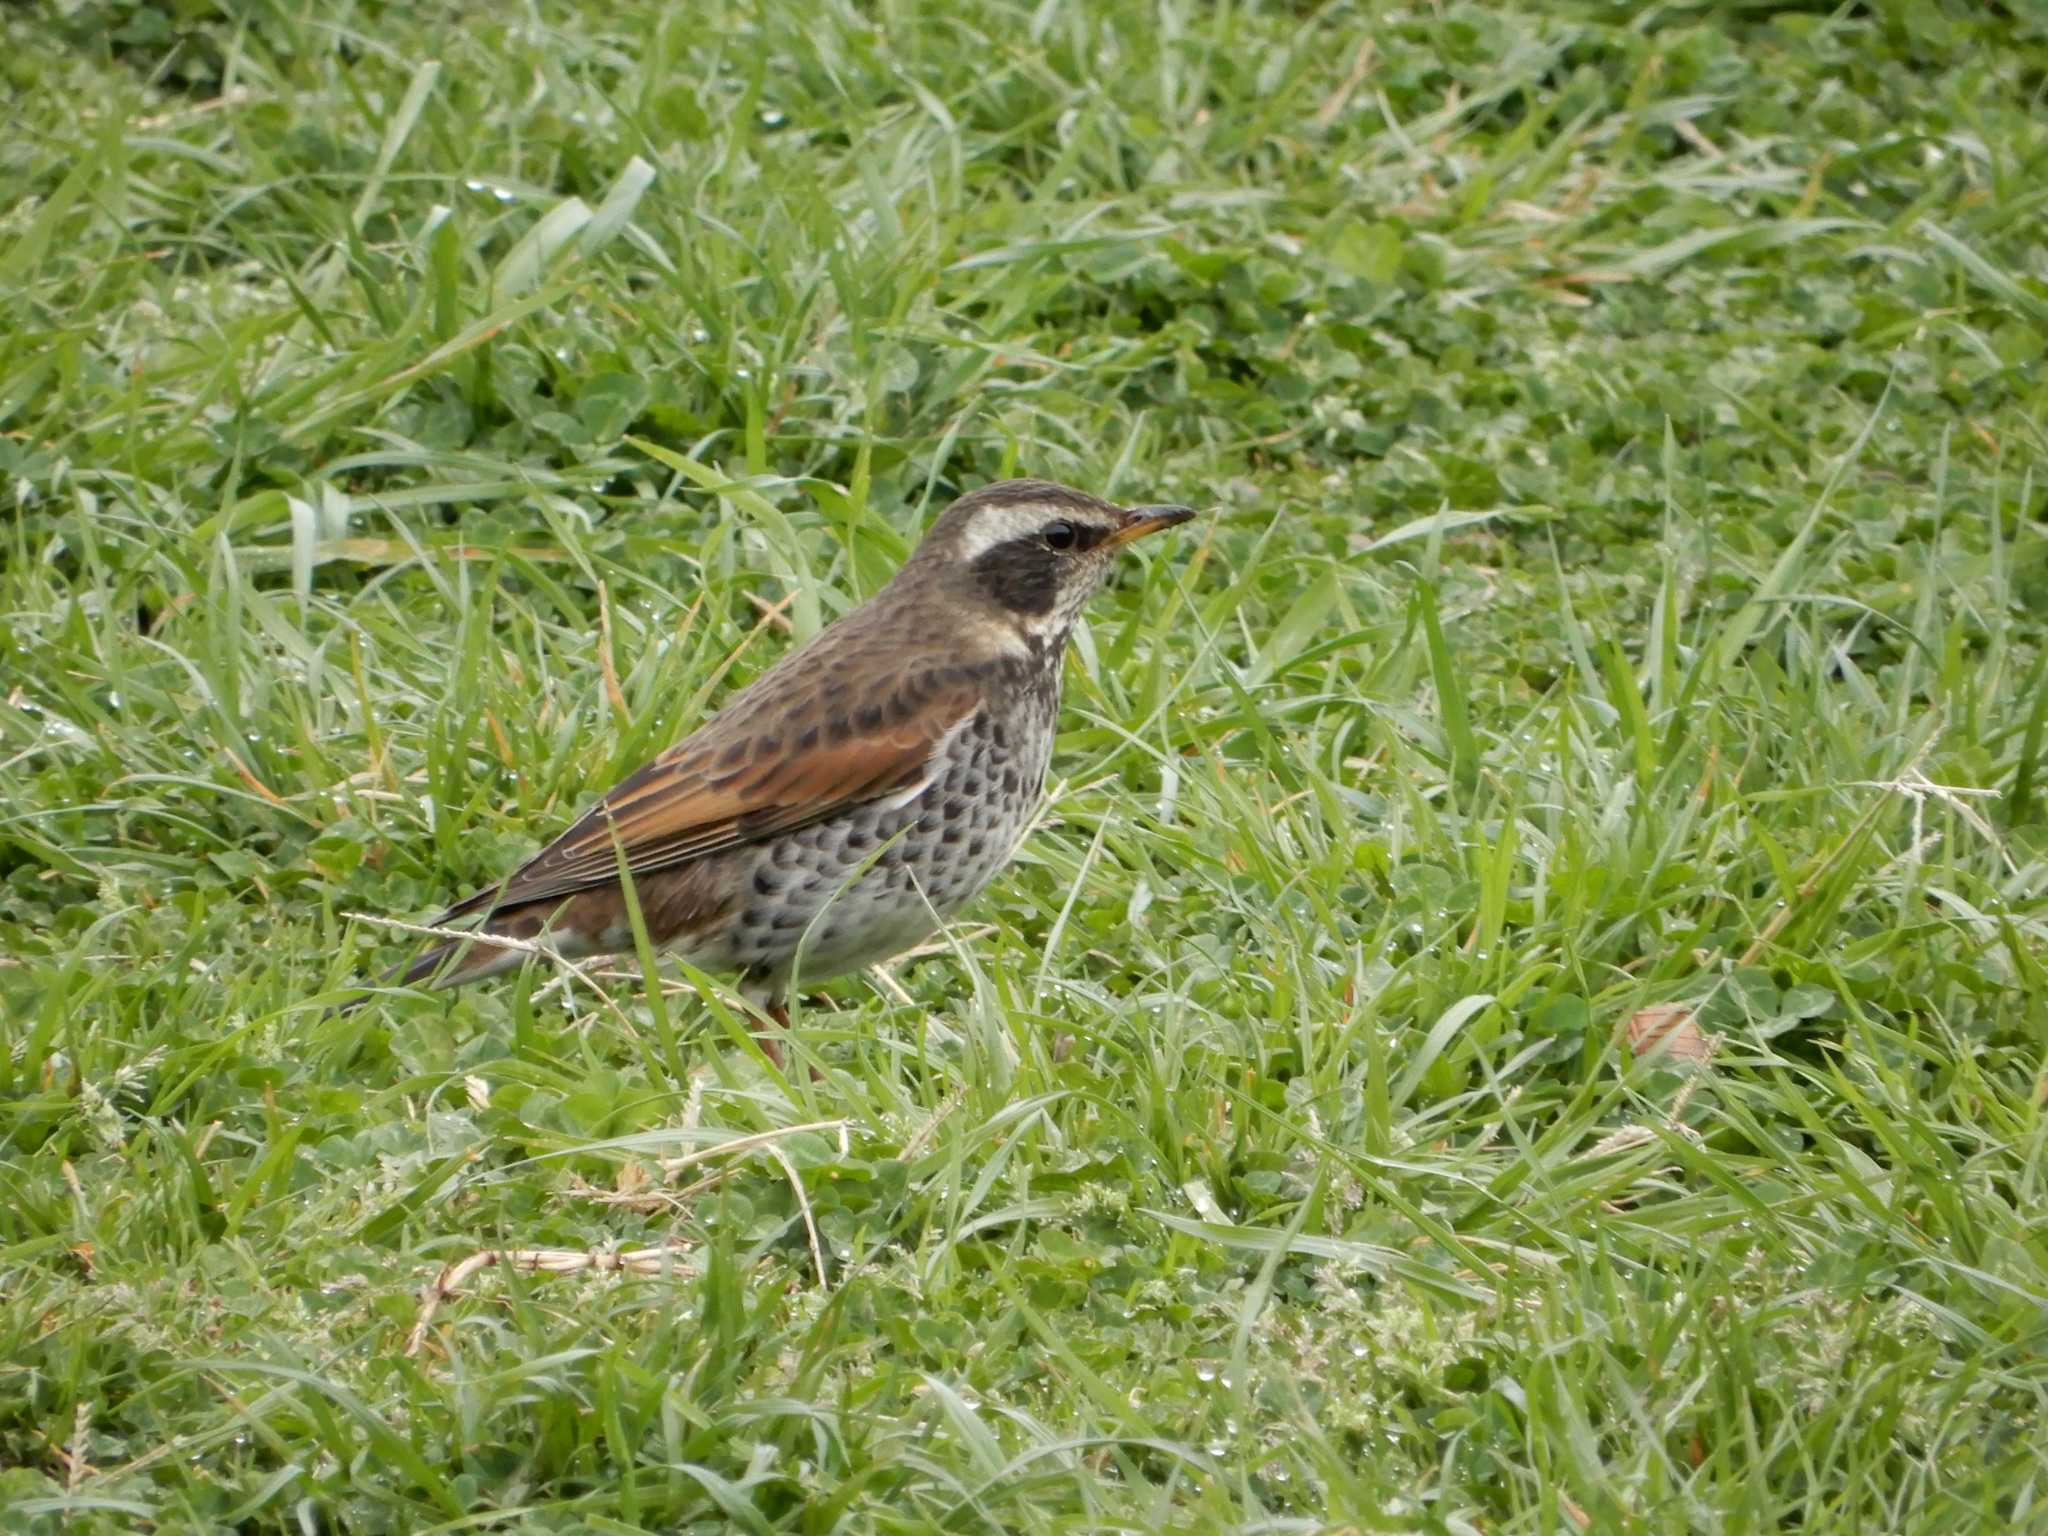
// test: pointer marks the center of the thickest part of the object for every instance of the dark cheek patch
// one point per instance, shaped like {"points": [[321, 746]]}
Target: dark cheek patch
{"points": [[1021, 574]]}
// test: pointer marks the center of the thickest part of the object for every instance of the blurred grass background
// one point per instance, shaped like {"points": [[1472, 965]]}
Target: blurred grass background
{"points": [[1527, 1011]]}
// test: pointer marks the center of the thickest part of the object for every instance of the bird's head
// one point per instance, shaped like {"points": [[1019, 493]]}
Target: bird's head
{"points": [[1028, 554]]}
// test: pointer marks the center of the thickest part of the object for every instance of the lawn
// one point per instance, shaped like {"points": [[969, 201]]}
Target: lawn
{"points": [[1527, 1007]]}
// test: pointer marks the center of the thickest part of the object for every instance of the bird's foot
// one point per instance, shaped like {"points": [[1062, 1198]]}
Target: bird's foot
{"points": [[772, 1044]]}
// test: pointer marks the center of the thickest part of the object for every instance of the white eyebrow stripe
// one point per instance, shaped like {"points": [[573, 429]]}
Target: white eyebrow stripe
{"points": [[998, 524]]}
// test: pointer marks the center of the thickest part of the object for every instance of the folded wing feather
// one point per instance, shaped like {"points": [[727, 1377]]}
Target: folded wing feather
{"points": [[706, 795]]}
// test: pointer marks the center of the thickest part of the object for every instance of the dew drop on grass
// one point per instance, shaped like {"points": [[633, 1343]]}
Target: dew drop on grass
{"points": [[770, 118], [1205, 1373], [1217, 1447]]}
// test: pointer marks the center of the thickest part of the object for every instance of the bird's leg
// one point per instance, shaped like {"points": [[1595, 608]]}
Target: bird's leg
{"points": [[770, 1041]]}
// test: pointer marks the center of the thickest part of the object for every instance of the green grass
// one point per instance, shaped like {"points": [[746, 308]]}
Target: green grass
{"points": [[1622, 582]]}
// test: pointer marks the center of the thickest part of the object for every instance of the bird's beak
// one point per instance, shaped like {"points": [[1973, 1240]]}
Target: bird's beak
{"points": [[1139, 521]]}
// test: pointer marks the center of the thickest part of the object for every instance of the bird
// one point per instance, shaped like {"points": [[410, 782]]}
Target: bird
{"points": [[855, 796]]}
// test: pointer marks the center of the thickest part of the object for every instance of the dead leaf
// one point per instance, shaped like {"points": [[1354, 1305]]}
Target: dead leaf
{"points": [[1671, 1029]]}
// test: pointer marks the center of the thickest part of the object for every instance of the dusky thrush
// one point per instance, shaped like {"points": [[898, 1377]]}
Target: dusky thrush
{"points": [[857, 794]]}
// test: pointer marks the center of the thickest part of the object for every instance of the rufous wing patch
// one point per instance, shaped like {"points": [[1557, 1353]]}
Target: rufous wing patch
{"points": [[705, 795]]}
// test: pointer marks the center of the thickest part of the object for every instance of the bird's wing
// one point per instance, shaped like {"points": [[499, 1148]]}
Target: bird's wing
{"points": [[740, 779]]}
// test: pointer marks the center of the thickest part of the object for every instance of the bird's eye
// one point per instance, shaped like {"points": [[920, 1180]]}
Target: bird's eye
{"points": [[1061, 535]]}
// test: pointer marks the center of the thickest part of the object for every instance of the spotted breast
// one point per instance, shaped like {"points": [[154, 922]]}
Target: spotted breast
{"points": [[845, 893]]}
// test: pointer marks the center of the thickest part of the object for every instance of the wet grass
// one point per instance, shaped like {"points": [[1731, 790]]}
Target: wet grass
{"points": [[1526, 1011]]}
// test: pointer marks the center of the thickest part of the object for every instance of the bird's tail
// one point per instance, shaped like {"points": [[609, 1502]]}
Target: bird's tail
{"points": [[458, 961]]}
